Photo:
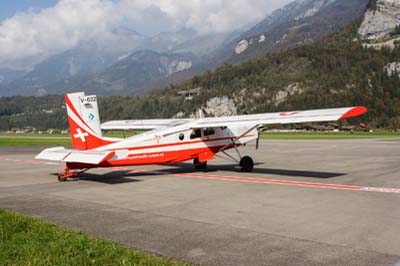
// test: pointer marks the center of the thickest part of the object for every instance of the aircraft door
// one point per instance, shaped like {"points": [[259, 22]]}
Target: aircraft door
{"points": [[201, 142]]}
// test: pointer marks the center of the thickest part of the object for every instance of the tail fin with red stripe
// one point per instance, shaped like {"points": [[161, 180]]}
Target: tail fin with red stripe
{"points": [[84, 121]]}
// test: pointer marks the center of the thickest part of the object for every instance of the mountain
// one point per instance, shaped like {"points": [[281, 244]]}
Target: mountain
{"points": [[8, 75], [87, 58], [60, 69], [92, 62], [299, 22], [98, 64], [134, 71], [185, 41]]}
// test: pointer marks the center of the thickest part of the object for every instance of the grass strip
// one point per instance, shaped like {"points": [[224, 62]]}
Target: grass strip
{"points": [[26, 241], [64, 140], [327, 135], [34, 142]]}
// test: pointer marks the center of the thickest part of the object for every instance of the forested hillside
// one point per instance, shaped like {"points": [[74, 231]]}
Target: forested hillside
{"points": [[333, 72]]}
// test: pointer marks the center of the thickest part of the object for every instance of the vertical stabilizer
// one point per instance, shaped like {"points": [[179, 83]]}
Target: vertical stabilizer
{"points": [[84, 121]]}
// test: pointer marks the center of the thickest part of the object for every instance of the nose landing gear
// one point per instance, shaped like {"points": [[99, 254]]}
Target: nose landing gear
{"points": [[246, 163]]}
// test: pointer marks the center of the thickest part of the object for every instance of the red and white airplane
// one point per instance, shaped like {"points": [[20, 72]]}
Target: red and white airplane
{"points": [[169, 140]]}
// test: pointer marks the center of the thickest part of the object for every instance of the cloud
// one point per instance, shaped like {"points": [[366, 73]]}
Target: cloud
{"points": [[27, 38], [204, 16], [30, 37]]}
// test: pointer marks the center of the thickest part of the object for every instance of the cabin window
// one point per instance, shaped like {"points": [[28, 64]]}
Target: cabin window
{"points": [[181, 136], [209, 131], [196, 133]]}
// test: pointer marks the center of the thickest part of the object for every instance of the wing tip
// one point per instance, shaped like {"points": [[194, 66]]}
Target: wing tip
{"points": [[353, 112]]}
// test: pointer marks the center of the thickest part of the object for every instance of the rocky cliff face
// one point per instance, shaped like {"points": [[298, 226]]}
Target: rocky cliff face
{"points": [[381, 18], [392, 68], [221, 106]]}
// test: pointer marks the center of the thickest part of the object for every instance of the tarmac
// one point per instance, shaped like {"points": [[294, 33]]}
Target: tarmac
{"points": [[333, 202]]}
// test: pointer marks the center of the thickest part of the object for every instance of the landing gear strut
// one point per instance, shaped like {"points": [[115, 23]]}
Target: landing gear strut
{"points": [[198, 165], [63, 176], [246, 163]]}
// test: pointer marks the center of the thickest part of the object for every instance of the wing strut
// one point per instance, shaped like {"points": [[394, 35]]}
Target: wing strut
{"points": [[233, 140]]}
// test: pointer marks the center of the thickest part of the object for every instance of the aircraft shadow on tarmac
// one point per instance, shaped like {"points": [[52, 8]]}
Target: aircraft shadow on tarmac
{"points": [[111, 178], [270, 171], [120, 177]]}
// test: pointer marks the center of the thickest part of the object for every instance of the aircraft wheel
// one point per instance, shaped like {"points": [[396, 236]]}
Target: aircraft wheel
{"points": [[247, 164], [61, 177], [199, 165]]}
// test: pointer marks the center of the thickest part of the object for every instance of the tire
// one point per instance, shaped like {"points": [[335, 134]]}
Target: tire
{"points": [[246, 164], [199, 165], [61, 177]]}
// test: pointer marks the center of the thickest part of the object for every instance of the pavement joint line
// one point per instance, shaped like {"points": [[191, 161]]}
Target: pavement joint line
{"points": [[237, 179]]}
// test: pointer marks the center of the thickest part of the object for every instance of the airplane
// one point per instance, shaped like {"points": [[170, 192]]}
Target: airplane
{"points": [[167, 141]]}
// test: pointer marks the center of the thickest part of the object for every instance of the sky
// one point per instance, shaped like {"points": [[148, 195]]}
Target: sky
{"points": [[9, 8], [31, 31]]}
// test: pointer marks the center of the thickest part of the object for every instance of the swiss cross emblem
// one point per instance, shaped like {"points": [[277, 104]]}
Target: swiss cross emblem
{"points": [[81, 135]]}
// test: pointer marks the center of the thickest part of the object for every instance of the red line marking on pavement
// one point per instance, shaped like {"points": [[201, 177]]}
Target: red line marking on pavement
{"points": [[237, 179], [295, 183]]}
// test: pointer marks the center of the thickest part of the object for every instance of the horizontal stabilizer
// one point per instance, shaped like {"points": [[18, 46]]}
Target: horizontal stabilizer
{"points": [[61, 154]]}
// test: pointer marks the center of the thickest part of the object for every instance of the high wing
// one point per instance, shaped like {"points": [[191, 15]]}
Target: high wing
{"points": [[320, 115], [143, 124], [74, 156]]}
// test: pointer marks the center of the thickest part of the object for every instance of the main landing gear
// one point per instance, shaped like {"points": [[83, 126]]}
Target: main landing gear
{"points": [[63, 176]]}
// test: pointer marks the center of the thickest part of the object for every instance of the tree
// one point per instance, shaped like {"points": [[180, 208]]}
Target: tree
{"points": [[394, 123]]}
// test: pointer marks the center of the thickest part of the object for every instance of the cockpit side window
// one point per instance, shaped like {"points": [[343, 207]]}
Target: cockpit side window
{"points": [[196, 133], [209, 131]]}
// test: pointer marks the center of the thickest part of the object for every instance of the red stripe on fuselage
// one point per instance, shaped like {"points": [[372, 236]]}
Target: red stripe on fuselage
{"points": [[178, 143], [160, 157]]}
